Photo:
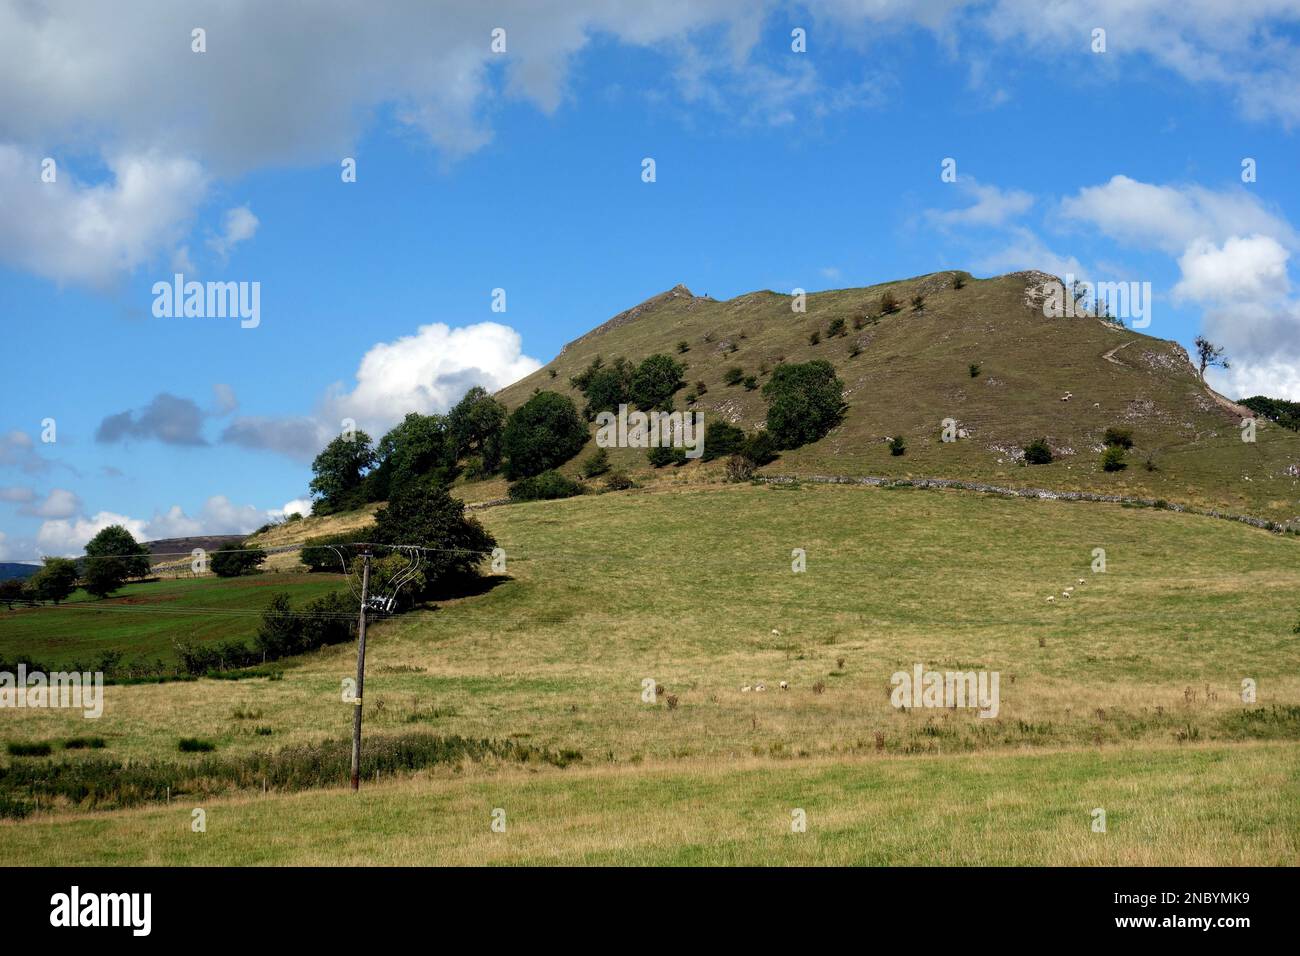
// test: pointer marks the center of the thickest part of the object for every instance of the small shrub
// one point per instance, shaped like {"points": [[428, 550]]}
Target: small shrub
{"points": [[1112, 459], [897, 446], [683, 347], [666, 455], [750, 382], [815, 337], [85, 743], [1119, 437], [760, 448], [819, 687], [734, 375], [974, 369], [691, 398], [836, 328], [194, 745], [888, 304], [859, 321], [739, 468], [918, 302], [17, 749], [700, 388], [597, 464], [1150, 464], [855, 350], [732, 348], [1038, 452], [618, 481], [959, 281], [547, 486]]}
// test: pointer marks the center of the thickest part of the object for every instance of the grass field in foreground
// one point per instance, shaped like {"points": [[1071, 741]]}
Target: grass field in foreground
{"points": [[692, 588], [1237, 805], [141, 620]]}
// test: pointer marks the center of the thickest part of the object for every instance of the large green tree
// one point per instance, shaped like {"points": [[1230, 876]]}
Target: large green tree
{"points": [[340, 471], [805, 401], [418, 448], [236, 559], [476, 424], [655, 380], [425, 515], [113, 557], [544, 432], [56, 580]]}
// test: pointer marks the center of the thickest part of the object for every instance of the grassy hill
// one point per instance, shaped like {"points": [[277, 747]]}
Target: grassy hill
{"points": [[912, 371]]}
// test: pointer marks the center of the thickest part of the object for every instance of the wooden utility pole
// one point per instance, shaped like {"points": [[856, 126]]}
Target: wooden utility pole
{"points": [[361, 673]]}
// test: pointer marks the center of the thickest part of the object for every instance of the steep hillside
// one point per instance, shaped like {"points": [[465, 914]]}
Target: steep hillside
{"points": [[1063, 379]]}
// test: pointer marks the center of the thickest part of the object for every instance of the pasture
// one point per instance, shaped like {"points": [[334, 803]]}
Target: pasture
{"points": [[1126, 695]]}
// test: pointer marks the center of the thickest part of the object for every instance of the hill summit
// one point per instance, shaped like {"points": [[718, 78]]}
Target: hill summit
{"points": [[978, 352]]}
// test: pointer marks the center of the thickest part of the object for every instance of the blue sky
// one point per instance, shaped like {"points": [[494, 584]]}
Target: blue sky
{"points": [[478, 170]]}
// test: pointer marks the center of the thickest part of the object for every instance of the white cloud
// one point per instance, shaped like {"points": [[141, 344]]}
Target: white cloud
{"points": [[59, 503], [67, 537], [1025, 250], [71, 232], [427, 372], [991, 207], [1243, 47], [300, 506], [17, 493], [1169, 218], [238, 226], [17, 450], [1250, 268]]}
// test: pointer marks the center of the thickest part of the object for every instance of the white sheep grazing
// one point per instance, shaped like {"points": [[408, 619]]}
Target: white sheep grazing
{"points": [[1051, 598], [776, 632], [1070, 589], [746, 689], [785, 685], [760, 687], [1080, 580], [1065, 594]]}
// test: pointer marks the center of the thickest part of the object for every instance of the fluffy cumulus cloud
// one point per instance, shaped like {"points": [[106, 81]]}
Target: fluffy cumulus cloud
{"points": [[69, 231], [428, 371], [68, 536], [1242, 268], [1233, 253]]}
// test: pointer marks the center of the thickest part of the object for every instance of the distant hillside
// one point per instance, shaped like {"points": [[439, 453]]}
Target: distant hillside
{"points": [[10, 570], [172, 550], [1063, 379]]}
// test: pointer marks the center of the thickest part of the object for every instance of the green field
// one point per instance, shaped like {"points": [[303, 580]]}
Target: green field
{"points": [[142, 620], [1130, 689]]}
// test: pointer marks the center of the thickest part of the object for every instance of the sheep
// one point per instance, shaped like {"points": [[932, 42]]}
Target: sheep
{"points": [[775, 632], [1080, 580], [760, 687], [1070, 589], [785, 685], [1065, 594], [746, 689], [1051, 598]]}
